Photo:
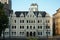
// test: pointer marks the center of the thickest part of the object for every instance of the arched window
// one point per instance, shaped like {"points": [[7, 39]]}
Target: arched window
{"points": [[27, 34], [34, 34], [30, 33]]}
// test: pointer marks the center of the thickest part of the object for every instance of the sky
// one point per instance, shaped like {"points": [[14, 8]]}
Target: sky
{"points": [[50, 6]]}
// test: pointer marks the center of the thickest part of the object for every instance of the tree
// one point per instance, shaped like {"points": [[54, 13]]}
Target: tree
{"points": [[3, 19]]}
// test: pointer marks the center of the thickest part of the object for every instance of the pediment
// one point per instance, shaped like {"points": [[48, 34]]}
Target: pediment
{"points": [[39, 15], [21, 15], [31, 14]]}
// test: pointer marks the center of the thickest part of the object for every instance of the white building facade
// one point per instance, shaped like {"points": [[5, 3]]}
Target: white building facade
{"points": [[32, 23]]}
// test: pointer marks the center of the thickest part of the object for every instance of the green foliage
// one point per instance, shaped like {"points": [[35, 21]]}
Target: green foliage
{"points": [[32, 39], [3, 19]]}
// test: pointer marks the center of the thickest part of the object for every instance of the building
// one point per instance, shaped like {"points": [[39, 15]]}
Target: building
{"points": [[32, 23], [6, 2], [56, 22], [7, 6]]}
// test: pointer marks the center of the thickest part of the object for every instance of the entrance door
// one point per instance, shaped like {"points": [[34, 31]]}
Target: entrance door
{"points": [[30, 33]]}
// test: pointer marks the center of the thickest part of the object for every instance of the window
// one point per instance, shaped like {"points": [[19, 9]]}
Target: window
{"points": [[30, 21], [27, 27], [15, 21], [6, 33], [39, 21], [30, 27], [13, 27], [47, 27], [21, 21], [27, 34], [47, 21], [21, 27], [34, 27], [13, 33], [39, 27], [47, 33], [34, 34], [39, 33], [21, 33], [27, 21]]}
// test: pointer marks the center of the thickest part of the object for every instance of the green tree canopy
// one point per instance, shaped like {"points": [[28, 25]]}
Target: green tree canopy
{"points": [[3, 19]]}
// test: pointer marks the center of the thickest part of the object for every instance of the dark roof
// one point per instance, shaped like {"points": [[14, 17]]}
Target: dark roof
{"points": [[43, 13], [34, 4], [36, 13], [18, 13]]}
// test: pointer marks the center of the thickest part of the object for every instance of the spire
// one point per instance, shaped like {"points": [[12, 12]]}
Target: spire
{"points": [[33, 7]]}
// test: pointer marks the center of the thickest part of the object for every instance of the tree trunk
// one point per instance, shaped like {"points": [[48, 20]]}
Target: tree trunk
{"points": [[0, 36], [0, 33]]}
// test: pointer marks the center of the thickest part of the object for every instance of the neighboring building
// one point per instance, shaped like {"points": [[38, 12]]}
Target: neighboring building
{"points": [[32, 23], [7, 6], [56, 22], [8, 2]]}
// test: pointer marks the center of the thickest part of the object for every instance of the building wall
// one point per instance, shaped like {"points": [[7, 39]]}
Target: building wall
{"points": [[7, 2], [17, 30], [36, 24], [7, 6], [29, 25], [56, 20]]}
